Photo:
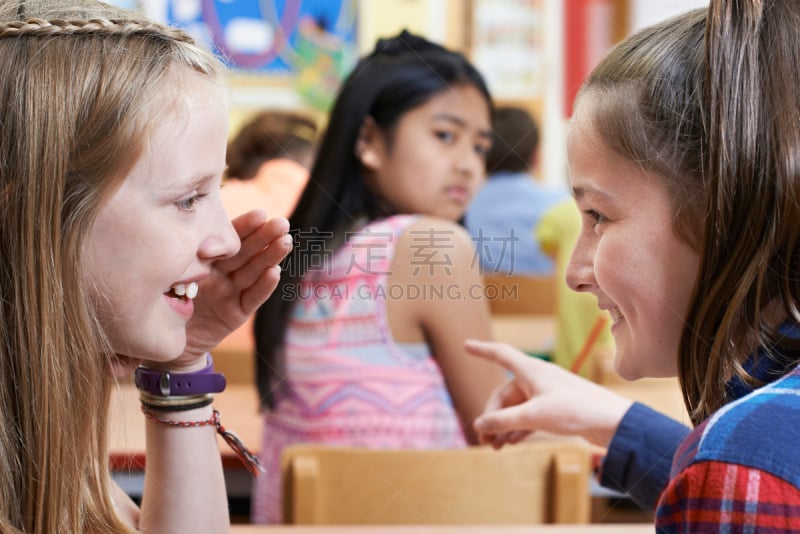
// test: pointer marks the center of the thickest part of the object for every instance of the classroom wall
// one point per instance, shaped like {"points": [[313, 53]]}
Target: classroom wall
{"points": [[646, 12], [442, 21], [453, 23], [605, 22]]}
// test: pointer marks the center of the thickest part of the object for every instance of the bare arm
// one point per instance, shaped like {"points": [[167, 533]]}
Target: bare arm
{"points": [[437, 257], [184, 488]]}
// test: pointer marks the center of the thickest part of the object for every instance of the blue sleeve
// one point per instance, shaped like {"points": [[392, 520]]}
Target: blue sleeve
{"points": [[639, 458]]}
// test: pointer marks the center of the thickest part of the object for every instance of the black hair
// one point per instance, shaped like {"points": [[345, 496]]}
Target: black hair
{"points": [[400, 74]]}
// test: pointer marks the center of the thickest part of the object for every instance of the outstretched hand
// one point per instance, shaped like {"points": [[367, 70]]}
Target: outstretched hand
{"points": [[543, 396], [238, 285]]}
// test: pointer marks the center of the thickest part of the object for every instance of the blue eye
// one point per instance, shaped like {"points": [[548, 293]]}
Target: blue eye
{"points": [[189, 204]]}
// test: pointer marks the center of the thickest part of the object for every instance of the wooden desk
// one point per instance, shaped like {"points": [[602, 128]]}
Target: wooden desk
{"points": [[459, 529], [529, 333], [238, 406], [661, 394]]}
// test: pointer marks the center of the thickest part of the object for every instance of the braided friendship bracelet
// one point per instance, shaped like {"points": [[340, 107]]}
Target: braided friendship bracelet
{"points": [[250, 460]]}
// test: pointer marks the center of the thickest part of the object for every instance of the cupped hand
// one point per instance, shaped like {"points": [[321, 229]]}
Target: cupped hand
{"points": [[545, 397], [237, 286]]}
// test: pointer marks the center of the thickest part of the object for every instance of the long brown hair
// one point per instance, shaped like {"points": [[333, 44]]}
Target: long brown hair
{"points": [[751, 252], [708, 101], [77, 100]]}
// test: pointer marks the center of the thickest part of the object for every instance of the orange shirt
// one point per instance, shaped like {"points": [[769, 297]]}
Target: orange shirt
{"points": [[276, 188]]}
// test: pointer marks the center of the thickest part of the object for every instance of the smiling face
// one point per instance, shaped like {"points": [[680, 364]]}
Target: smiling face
{"points": [[435, 160], [160, 230], [628, 254]]}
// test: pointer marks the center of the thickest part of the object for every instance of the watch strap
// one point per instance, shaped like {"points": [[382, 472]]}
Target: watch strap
{"points": [[169, 384]]}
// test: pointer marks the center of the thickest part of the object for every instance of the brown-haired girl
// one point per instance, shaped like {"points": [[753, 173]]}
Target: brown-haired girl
{"points": [[683, 159]]}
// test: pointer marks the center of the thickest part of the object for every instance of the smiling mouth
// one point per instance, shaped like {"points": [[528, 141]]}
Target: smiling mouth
{"points": [[183, 291], [616, 315]]}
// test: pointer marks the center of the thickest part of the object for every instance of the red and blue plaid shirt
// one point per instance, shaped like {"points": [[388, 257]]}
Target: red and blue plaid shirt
{"points": [[740, 470]]}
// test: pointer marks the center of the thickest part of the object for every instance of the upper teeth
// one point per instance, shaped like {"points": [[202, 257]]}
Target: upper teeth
{"points": [[188, 290]]}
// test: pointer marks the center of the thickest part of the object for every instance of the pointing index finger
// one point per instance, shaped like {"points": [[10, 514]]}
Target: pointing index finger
{"points": [[502, 353]]}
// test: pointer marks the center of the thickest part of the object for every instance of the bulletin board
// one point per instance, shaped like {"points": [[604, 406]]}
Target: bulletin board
{"points": [[310, 44], [507, 46]]}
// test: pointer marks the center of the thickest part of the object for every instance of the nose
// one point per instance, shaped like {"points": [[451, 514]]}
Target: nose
{"points": [[221, 240], [470, 164], [580, 269]]}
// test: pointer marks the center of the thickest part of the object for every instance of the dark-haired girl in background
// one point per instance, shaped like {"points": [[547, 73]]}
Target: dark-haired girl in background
{"points": [[363, 344]]}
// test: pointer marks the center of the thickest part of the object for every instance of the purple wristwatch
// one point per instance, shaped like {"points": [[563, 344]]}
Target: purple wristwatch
{"points": [[167, 384]]}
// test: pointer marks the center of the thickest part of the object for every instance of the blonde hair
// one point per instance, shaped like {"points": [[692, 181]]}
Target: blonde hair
{"points": [[78, 96]]}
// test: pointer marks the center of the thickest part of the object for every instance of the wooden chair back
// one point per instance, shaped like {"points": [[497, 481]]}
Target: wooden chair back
{"points": [[520, 295], [529, 483]]}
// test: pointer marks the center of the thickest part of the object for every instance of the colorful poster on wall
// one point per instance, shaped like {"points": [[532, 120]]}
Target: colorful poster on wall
{"points": [[311, 42], [508, 46]]}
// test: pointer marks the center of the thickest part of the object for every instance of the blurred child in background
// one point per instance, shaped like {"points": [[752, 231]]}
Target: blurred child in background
{"points": [[505, 211], [268, 162], [268, 165], [364, 343]]}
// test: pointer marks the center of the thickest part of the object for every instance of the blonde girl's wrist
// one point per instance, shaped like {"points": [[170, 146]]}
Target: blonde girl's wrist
{"points": [[183, 400], [200, 417], [164, 383], [183, 418], [181, 365]]}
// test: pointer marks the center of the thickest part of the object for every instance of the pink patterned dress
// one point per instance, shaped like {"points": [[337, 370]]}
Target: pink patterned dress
{"points": [[347, 381]]}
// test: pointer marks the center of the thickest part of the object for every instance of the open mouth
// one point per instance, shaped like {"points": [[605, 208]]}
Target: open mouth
{"points": [[616, 315], [183, 291]]}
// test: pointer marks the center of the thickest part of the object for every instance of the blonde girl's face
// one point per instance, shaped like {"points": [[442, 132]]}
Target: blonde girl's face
{"points": [[156, 237], [627, 254], [436, 159]]}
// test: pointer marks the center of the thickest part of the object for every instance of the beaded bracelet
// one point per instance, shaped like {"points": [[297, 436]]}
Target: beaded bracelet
{"points": [[250, 460]]}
